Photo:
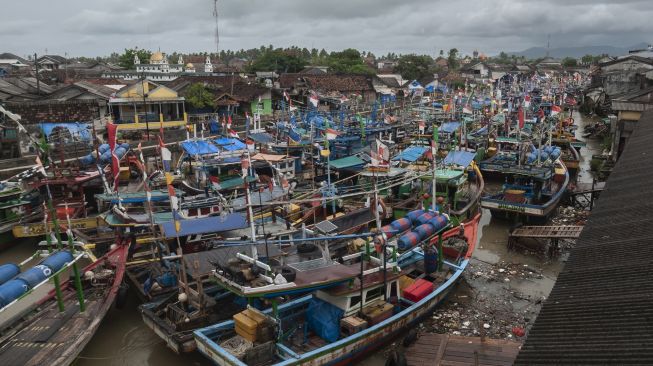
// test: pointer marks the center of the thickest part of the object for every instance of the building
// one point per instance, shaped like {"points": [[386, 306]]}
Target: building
{"points": [[159, 68], [628, 109], [83, 90], [23, 89], [145, 104], [329, 86], [51, 62]]}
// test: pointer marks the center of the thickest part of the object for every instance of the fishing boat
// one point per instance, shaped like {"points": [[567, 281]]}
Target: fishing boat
{"points": [[531, 191], [343, 323], [55, 335]]}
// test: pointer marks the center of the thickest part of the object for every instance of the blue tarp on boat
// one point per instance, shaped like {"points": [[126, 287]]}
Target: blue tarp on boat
{"points": [[230, 144], [449, 127], [199, 148], [77, 129], [411, 154], [462, 158], [205, 225], [262, 138]]}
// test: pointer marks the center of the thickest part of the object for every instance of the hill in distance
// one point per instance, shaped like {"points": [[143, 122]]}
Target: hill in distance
{"points": [[577, 52]]}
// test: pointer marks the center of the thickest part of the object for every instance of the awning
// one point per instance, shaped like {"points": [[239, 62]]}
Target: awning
{"points": [[269, 157], [348, 162], [411, 154], [230, 144], [449, 127], [461, 158], [199, 148], [204, 225]]}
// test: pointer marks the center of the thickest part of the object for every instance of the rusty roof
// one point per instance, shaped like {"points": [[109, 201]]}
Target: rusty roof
{"points": [[600, 310], [328, 82]]}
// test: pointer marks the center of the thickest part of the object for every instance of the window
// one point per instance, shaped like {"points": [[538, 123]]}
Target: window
{"points": [[205, 210], [354, 301], [373, 294], [192, 212]]}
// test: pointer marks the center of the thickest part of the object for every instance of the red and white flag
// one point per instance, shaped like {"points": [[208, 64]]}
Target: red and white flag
{"points": [[244, 165], [233, 134], [331, 134], [520, 116], [229, 123], [555, 110], [115, 162], [314, 99], [40, 166], [527, 101], [343, 99], [286, 96], [422, 127], [250, 144]]}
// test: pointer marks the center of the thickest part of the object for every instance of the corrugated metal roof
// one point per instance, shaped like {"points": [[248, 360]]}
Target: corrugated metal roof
{"points": [[600, 310]]}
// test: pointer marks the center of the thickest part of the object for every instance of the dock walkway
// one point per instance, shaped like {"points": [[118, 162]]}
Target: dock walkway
{"points": [[547, 237], [443, 349]]}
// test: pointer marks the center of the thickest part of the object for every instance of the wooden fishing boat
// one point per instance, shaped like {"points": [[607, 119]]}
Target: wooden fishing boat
{"points": [[532, 193], [48, 336], [570, 157], [356, 320]]}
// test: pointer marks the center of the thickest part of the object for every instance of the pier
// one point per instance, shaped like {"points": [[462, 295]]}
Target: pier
{"points": [[599, 310], [547, 237], [444, 349]]}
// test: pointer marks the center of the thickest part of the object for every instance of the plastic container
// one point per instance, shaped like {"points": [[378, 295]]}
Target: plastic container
{"points": [[408, 241], [423, 219], [424, 231], [8, 271], [58, 260], [103, 148], [125, 146], [388, 231], [12, 290], [418, 290], [120, 151], [35, 275], [413, 215], [400, 225], [439, 222], [430, 260]]}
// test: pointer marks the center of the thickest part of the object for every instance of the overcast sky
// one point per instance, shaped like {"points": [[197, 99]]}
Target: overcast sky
{"points": [[93, 28]]}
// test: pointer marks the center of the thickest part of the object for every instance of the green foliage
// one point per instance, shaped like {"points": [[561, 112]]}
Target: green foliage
{"points": [[453, 59], [199, 96], [126, 60], [591, 59], [349, 61], [280, 61], [569, 62], [415, 67]]}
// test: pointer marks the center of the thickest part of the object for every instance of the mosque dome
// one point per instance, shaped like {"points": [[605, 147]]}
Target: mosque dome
{"points": [[156, 57]]}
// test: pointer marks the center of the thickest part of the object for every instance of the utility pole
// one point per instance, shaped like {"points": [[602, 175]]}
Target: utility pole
{"points": [[38, 84], [217, 30]]}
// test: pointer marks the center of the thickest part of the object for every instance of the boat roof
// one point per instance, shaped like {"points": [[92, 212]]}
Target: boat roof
{"points": [[460, 158], [449, 127], [199, 147], [204, 225], [347, 162], [203, 263], [411, 154], [134, 197]]}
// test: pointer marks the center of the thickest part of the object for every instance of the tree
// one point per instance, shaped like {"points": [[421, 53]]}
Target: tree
{"points": [[415, 67], [126, 60], [569, 62], [349, 61], [199, 96], [453, 58], [279, 61]]}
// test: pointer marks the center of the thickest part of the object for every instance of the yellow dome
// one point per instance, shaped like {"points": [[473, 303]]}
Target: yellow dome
{"points": [[156, 57], [190, 66]]}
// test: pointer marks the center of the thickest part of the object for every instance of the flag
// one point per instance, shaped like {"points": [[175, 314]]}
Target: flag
{"points": [[244, 165], [527, 101], [520, 116], [434, 145], [250, 144], [331, 134], [555, 110], [41, 168], [229, 123], [380, 155], [233, 133], [467, 110], [314, 99], [422, 127], [343, 99], [285, 95]]}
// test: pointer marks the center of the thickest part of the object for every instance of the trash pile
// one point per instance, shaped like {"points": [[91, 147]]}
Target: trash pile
{"points": [[486, 303], [568, 215]]}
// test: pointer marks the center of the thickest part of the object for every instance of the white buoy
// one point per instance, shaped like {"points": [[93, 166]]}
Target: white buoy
{"points": [[182, 297], [113, 246]]}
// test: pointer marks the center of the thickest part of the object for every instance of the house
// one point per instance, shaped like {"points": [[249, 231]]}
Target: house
{"points": [[386, 64], [51, 62], [477, 70], [10, 58], [628, 108], [623, 74], [83, 90], [329, 86], [389, 84], [442, 62], [145, 104], [23, 89], [315, 70]]}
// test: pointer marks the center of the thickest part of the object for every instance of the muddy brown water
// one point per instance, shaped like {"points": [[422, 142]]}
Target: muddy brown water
{"points": [[123, 338]]}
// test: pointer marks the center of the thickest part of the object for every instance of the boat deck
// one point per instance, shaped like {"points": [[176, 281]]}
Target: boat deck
{"points": [[444, 349]]}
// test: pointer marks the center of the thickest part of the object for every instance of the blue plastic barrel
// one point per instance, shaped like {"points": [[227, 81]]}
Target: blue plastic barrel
{"points": [[407, 241], [105, 157], [388, 231], [120, 151], [103, 148], [167, 279], [58, 260], [544, 155], [439, 222], [35, 275], [125, 146], [401, 224], [413, 215], [12, 290], [424, 231], [430, 260], [424, 218], [8, 271]]}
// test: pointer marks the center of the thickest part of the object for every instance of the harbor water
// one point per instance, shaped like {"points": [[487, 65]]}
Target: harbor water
{"points": [[123, 338]]}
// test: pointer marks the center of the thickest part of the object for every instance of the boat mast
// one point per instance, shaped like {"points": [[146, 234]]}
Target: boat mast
{"points": [[434, 152]]}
